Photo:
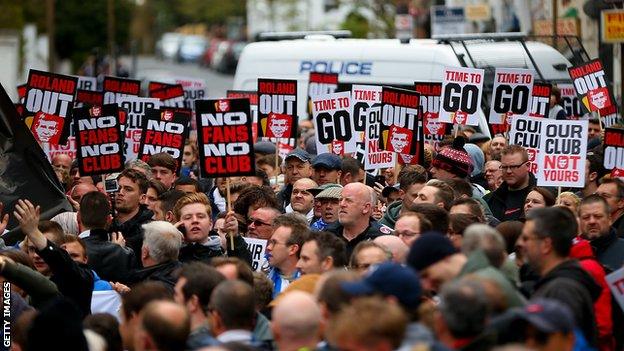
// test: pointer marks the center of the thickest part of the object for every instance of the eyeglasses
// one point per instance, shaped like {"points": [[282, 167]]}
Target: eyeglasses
{"points": [[257, 222], [512, 167]]}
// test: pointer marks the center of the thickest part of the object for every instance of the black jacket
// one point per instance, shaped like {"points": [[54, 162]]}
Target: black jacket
{"points": [[110, 261], [570, 284], [163, 272], [370, 233], [508, 205], [618, 225], [132, 231], [198, 252], [74, 280], [609, 250], [283, 196]]}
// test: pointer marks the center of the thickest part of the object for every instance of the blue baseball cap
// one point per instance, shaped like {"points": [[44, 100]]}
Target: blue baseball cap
{"points": [[547, 315], [388, 279], [300, 154], [326, 160], [430, 248]]}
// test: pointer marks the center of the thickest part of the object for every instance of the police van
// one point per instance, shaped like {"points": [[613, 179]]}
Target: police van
{"points": [[393, 62]]}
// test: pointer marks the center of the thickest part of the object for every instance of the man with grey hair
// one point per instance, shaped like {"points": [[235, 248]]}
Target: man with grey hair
{"points": [[355, 223], [140, 166], [159, 253], [462, 315], [296, 331]]}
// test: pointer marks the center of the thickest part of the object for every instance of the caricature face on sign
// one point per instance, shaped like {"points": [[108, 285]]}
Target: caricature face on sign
{"points": [[598, 98], [460, 117], [167, 115], [337, 147], [433, 125], [400, 138], [222, 106], [278, 125], [47, 128], [407, 159]]}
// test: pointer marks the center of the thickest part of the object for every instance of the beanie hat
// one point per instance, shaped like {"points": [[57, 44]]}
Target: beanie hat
{"points": [[429, 249], [454, 159]]}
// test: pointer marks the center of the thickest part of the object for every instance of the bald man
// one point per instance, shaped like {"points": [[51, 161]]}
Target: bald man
{"points": [[301, 199], [355, 223], [395, 245], [164, 325], [296, 331], [69, 220], [62, 161]]}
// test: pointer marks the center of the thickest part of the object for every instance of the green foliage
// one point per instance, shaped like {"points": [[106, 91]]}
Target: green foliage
{"points": [[357, 24], [12, 15]]}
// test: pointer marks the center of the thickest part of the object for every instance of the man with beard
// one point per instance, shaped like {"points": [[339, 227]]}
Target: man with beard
{"points": [[131, 215]]}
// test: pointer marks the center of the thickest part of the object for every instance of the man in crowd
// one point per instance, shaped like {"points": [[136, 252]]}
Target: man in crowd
{"points": [[436, 192], [355, 223], [321, 252], [192, 291], [411, 181], [301, 199], [297, 166], [410, 226], [327, 168], [109, 260], [296, 331], [612, 190], [545, 244], [260, 225], [164, 205], [507, 202], [352, 171], [595, 222], [163, 325], [164, 168], [283, 250], [131, 215], [233, 312], [497, 145], [328, 200], [493, 174]]}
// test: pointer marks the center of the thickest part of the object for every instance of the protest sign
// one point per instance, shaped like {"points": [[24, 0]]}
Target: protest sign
{"points": [[616, 285], [571, 103], [224, 137], [609, 116], [164, 131], [511, 94], [253, 106], [87, 83], [48, 105], [170, 95], [257, 248], [115, 88], [613, 145], [591, 85], [277, 110], [194, 89], [331, 115], [89, 98], [366, 100], [99, 140], [540, 100], [434, 130], [135, 108], [461, 95], [320, 84], [401, 128], [525, 132], [21, 93], [563, 149]]}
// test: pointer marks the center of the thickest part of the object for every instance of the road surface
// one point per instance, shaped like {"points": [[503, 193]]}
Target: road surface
{"points": [[150, 68]]}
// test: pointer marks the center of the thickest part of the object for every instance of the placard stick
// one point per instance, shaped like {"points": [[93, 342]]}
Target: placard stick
{"points": [[600, 121], [456, 127], [558, 191], [229, 208], [397, 167], [276, 161]]}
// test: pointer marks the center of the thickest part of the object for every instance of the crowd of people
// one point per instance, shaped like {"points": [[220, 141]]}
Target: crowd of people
{"points": [[462, 252]]}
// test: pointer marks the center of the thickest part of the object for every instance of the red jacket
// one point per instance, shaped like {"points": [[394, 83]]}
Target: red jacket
{"points": [[582, 250]]}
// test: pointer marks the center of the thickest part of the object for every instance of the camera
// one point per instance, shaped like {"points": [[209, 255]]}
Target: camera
{"points": [[110, 183]]}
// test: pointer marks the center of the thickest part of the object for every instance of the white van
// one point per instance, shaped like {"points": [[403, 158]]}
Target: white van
{"points": [[391, 62]]}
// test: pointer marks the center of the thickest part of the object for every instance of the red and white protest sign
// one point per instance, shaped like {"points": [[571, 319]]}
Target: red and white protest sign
{"points": [[540, 100], [224, 137], [115, 88], [99, 140], [89, 98], [164, 131], [400, 119], [253, 106], [563, 151], [331, 115], [135, 107], [616, 285], [48, 105], [170, 95], [277, 97], [609, 116], [87, 83], [433, 130], [194, 89], [590, 83], [461, 95], [613, 145], [525, 131], [366, 101], [511, 94], [570, 101]]}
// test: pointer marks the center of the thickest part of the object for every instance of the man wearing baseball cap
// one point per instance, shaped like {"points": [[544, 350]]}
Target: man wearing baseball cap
{"points": [[296, 166], [437, 261], [327, 168]]}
